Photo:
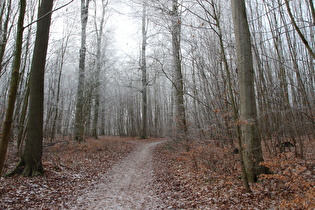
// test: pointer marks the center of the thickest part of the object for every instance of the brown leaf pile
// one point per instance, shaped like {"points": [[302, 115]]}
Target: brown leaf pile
{"points": [[205, 177], [69, 169], [208, 177]]}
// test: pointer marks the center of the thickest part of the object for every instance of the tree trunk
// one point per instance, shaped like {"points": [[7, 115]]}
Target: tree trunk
{"points": [[31, 160], [180, 117], [32, 157], [24, 83], [79, 112], [60, 68], [6, 129], [144, 73], [251, 141], [4, 29], [99, 35], [22, 130]]}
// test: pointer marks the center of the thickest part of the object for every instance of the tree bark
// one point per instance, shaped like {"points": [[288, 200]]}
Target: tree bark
{"points": [[144, 72], [31, 160], [33, 151], [99, 37], [6, 129], [63, 51], [79, 112], [4, 29], [251, 141], [180, 117]]}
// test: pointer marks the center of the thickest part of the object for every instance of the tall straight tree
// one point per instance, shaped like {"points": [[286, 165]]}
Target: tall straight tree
{"points": [[144, 71], [251, 141], [79, 112], [6, 129], [31, 159], [5, 15], [181, 127], [99, 37], [215, 15], [61, 53]]}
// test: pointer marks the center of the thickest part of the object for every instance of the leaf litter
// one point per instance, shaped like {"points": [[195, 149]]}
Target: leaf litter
{"points": [[206, 177], [70, 169]]}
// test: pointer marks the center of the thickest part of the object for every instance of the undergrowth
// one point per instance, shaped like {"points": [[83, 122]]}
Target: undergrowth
{"points": [[208, 177]]}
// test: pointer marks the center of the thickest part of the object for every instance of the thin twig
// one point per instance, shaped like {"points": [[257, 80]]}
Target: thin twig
{"points": [[35, 21]]}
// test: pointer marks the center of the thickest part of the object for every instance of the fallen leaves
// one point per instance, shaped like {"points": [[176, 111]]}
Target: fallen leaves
{"points": [[70, 168], [206, 177], [209, 178], [294, 179]]}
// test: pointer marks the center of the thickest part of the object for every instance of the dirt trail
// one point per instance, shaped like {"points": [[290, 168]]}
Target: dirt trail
{"points": [[128, 185]]}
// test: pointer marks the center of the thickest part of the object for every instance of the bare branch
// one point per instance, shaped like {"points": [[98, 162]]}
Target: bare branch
{"points": [[35, 21]]}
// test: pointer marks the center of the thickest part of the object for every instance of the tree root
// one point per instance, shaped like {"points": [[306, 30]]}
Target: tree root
{"points": [[33, 170], [17, 170], [24, 169]]}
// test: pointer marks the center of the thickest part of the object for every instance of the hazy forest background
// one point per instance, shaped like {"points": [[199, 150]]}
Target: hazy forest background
{"points": [[151, 69], [284, 70]]}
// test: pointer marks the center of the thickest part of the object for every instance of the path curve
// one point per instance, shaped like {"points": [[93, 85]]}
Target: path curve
{"points": [[128, 185]]}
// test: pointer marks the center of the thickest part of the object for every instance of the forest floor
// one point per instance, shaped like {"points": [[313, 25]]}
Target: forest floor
{"points": [[127, 173], [127, 185]]}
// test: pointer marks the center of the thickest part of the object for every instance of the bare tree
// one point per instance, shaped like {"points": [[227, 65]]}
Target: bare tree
{"points": [[5, 13], [99, 42], [79, 112], [296, 27], [13, 87], [60, 67], [251, 143], [144, 72], [180, 115], [31, 161]]}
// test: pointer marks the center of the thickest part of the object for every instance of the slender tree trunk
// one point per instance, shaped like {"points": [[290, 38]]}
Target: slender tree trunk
{"points": [[6, 129], [102, 130], [97, 96], [24, 83], [144, 72], [79, 112], [305, 42], [4, 29], [180, 117], [99, 35], [22, 130], [233, 101], [251, 142], [56, 110]]}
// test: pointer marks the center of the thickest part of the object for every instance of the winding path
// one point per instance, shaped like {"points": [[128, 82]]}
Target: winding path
{"points": [[128, 185]]}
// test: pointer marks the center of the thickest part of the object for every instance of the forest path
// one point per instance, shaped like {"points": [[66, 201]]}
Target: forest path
{"points": [[127, 185]]}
